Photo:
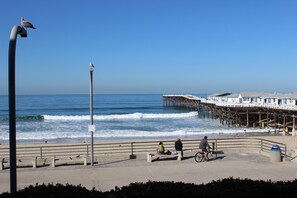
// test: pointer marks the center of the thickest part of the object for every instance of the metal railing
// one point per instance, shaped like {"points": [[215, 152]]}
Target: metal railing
{"points": [[47, 150]]}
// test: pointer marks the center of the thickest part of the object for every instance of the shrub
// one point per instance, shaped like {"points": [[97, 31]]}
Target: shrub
{"points": [[230, 187]]}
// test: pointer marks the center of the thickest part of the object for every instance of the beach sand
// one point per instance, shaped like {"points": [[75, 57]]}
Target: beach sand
{"points": [[290, 141], [121, 171]]}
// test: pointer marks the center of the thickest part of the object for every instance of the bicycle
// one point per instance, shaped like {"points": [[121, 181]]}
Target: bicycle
{"points": [[200, 156]]}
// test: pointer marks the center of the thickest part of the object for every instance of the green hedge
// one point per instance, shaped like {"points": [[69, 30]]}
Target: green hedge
{"points": [[230, 187]]}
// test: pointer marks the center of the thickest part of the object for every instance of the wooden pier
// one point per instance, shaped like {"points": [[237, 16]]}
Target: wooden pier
{"points": [[273, 117]]}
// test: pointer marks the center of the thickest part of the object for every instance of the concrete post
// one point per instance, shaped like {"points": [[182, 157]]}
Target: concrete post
{"points": [[293, 129], [260, 119], [284, 125], [274, 123], [267, 116], [247, 118]]}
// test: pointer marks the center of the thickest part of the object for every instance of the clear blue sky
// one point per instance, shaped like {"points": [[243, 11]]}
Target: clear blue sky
{"points": [[152, 46]]}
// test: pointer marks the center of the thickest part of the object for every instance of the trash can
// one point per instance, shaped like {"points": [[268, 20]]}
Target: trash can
{"points": [[275, 153]]}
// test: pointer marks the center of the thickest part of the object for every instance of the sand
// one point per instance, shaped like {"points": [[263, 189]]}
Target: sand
{"points": [[290, 141]]}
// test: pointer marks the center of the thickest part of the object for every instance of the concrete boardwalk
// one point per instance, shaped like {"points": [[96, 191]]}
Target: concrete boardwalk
{"points": [[122, 171]]}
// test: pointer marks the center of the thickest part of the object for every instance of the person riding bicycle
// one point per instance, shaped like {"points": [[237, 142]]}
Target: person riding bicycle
{"points": [[204, 146]]}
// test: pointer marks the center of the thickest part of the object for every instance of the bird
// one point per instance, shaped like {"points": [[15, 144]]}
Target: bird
{"points": [[26, 24]]}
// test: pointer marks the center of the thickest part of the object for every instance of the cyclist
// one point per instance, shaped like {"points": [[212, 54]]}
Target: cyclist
{"points": [[204, 146]]}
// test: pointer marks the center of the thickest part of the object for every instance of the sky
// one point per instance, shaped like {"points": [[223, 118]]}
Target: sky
{"points": [[151, 46]]}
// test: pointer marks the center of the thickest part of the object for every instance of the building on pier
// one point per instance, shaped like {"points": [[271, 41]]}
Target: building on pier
{"points": [[256, 98], [275, 111]]}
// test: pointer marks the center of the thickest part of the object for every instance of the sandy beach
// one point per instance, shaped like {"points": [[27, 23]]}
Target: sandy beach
{"points": [[121, 171], [290, 141]]}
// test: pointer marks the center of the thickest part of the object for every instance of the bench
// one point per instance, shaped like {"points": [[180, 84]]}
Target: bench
{"points": [[49, 160], [150, 156], [217, 152], [19, 161], [67, 159], [3, 161]]}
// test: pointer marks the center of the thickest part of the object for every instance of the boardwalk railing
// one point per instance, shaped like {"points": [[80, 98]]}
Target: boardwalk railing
{"points": [[268, 106], [43, 151]]}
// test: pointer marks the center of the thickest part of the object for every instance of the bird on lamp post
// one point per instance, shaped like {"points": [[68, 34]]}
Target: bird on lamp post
{"points": [[26, 24]]}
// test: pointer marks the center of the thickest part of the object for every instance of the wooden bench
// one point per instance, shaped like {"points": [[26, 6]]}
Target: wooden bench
{"points": [[150, 156]]}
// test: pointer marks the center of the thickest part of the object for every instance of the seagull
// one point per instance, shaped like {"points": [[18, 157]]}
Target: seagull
{"points": [[26, 24]]}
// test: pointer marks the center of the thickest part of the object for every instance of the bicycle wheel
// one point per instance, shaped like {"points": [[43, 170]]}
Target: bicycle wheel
{"points": [[198, 157], [210, 156], [215, 155]]}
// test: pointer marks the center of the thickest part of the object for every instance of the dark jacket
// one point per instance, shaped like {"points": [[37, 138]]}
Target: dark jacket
{"points": [[178, 145], [204, 144]]}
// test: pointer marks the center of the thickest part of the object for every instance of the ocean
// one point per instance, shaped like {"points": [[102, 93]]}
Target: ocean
{"points": [[65, 118]]}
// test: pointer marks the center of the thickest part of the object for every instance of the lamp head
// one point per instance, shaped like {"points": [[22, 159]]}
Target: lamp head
{"points": [[91, 67], [22, 31]]}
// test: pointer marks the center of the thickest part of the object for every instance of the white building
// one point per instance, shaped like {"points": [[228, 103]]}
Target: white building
{"points": [[289, 99], [257, 98], [253, 97]]}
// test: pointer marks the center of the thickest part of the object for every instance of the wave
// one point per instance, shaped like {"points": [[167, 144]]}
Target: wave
{"points": [[24, 118], [127, 134], [132, 116]]}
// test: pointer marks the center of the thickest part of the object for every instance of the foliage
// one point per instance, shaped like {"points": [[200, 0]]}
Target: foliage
{"points": [[229, 187]]}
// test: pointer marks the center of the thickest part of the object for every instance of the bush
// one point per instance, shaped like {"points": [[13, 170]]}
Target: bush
{"points": [[237, 188], [53, 191]]}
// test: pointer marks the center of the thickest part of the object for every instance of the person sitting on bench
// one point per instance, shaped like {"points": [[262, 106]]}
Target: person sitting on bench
{"points": [[161, 149]]}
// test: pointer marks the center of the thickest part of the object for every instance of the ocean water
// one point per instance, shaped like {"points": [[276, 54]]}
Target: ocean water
{"points": [[65, 118]]}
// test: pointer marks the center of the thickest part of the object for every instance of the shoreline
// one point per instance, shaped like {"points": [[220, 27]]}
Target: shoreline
{"points": [[211, 135], [290, 141]]}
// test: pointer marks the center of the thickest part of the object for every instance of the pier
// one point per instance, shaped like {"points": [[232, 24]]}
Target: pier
{"points": [[237, 111]]}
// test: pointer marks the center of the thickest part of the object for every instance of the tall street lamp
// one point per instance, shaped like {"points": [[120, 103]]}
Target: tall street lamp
{"points": [[12, 114], [91, 126]]}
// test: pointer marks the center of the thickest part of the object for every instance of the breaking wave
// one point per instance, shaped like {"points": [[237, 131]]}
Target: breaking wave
{"points": [[132, 116]]}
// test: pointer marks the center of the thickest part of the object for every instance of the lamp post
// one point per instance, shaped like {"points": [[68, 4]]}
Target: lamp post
{"points": [[91, 126], [12, 114]]}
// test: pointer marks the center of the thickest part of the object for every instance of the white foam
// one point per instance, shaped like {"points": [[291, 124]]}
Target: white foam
{"points": [[132, 116], [114, 134]]}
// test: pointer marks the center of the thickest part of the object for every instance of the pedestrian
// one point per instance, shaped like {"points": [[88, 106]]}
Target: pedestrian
{"points": [[179, 146]]}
